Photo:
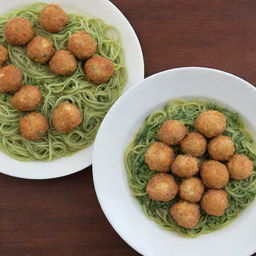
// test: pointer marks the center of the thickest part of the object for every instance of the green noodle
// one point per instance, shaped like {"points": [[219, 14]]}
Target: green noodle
{"points": [[93, 100], [241, 193]]}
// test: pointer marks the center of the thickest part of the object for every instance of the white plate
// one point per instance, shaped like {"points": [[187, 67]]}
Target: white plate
{"points": [[135, 66], [119, 128]]}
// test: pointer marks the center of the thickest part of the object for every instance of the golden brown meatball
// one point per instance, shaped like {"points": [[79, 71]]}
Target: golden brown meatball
{"points": [[82, 45], [3, 55], [185, 214], [162, 187], [33, 126], [27, 98], [99, 69], [221, 148], [191, 189], [40, 49], [194, 144], [19, 31], [10, 79], [63, 63], [214, 174], [211, 123], [240, 167], [215, 202], [66, 117], [185, 166], [52, 18]]}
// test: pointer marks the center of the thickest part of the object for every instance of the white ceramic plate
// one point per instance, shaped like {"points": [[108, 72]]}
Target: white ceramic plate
{"points": [[119, 128], [135, 66]]}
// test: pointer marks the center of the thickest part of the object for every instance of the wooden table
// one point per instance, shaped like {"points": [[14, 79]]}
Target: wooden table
{"points": [[62, 216]]}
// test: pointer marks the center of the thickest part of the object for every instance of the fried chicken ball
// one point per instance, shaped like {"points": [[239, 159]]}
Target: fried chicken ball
{"points": [[40, 49], [221, 148], [185, 214], [82, 45], [19, 31], [214, 174], [215, 202], [33, 126], [99, 69], [10, 79], [240, 167], [63, 63], [211, 123], [3, 55], [27, 98], [66, 117], [159, 157], [162, 187], [191, 189], [53, 18]]}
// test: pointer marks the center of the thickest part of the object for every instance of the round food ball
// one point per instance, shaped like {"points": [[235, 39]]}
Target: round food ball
{"points": [[191, 189], [159, 157], [19, 31], [214, 174], [162, 187], [194, 144], [63, 63], [40, 49], [185, 214], [27, 98], [240, 167], [82, 45], [185, 166], [99, 69], [33, 126], [52, 18], [211, 123], [10, 79], [221, 148], [215, 202], [66, 117], [172, 132], [3, 55]]}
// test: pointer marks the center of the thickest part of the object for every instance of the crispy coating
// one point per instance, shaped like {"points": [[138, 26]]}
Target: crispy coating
{"points": [[240, 167], [33, 126], [211, 123], [19, 31], [3, 55], [99, 69], [159, 157]]}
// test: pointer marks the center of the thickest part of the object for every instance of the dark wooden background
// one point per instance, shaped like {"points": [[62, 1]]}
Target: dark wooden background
{"points": [[62, 216]]}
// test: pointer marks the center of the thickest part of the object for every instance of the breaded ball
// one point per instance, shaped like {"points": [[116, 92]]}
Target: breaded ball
{"points": [[66, 117], [240, 167], [82, 45], [185, 166], [33, 126], [185, 214], [172, 132], [214, 174], [162, 187], [10, 79], [211, 123], [19, 31], [63, 63], [3, 55], [27, 98], [194, 144], [215, 202], [52, 18], [40, 49], [191, 189], [99, 69], [221, 148], [159, 157]]}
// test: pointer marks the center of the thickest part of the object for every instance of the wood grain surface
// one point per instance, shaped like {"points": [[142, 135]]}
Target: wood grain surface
{"points": [[62, 217]]}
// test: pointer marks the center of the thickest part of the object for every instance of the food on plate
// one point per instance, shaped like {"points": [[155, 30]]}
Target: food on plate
{"points": [[3, 55]]}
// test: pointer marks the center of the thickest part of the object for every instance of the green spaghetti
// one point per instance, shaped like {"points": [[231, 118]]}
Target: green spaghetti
{"points": [[241, 193], [93, 100]]}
